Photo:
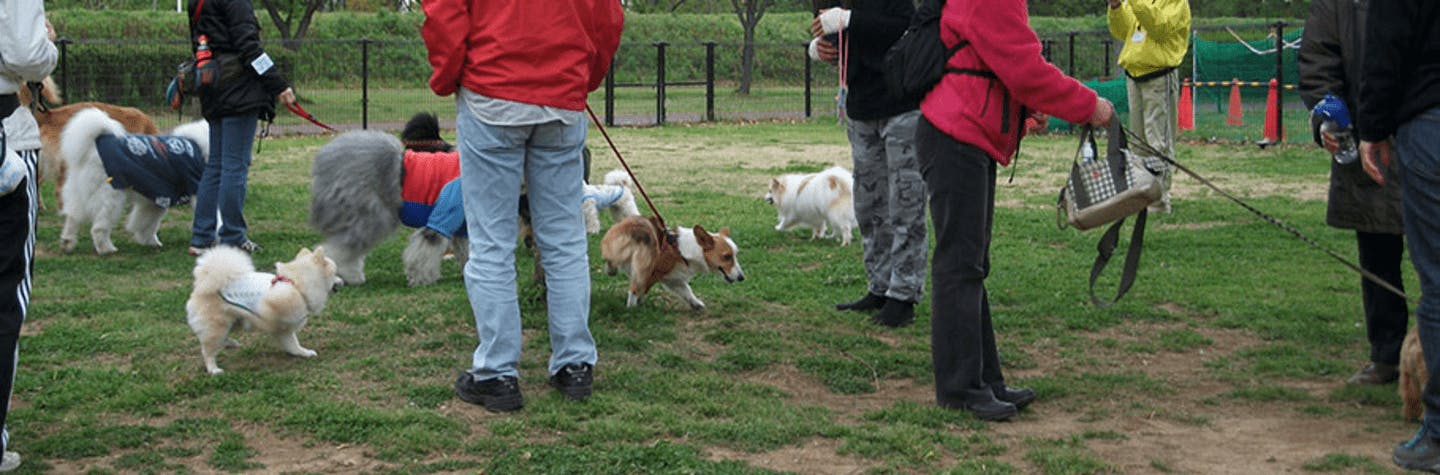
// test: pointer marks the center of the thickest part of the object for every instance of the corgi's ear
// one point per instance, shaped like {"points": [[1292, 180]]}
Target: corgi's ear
{"points": [[725, 232], [703, 238]]}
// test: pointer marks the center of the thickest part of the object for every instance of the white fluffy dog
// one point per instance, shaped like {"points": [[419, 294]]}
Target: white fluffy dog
{"points": [[823, 202], [97, 188], [614, 195], [230, 294]]}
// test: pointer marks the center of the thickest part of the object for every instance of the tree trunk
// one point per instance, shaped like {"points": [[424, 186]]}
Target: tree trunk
{"points": [[750, 12]]}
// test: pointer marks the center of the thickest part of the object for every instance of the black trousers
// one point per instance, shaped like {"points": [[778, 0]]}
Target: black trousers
{"points": [[1387, 316], [17, 245], [961, 180]]}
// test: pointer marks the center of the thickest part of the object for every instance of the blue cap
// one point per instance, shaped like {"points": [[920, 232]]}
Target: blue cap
{"points": [[1332, 108]]}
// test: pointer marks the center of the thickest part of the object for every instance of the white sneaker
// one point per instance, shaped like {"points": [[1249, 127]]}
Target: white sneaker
{"points": [[9, 462]]}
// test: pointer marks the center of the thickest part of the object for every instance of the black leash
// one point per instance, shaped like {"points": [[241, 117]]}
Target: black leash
{"points": [[595, 120], [1140, 142]]}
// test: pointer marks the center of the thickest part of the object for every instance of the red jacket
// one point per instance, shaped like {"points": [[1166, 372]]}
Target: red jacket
{"points": [[989, 112], [541, 52]]}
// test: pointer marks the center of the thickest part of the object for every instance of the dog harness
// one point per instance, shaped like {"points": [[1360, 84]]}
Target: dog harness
{"points": [[430, 192], [165, 169], [247, 291]]}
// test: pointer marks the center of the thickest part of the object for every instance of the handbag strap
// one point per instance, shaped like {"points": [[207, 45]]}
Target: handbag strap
{"points": [[1106, 248]]}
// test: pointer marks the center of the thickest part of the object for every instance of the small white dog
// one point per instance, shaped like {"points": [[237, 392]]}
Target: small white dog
{"points": [[614, 195], [230, 294], [823, 202], [107, 166]]}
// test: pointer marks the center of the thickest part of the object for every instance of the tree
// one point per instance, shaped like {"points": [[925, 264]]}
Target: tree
{"points": [[283, 13], [750, 12]]}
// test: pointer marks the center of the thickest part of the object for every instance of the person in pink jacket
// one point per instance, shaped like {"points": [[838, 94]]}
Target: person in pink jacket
{"points": [[972, 123], [520, 71]]}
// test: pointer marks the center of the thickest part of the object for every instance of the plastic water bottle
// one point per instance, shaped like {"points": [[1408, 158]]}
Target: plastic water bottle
{"points": [[1335, 120]]}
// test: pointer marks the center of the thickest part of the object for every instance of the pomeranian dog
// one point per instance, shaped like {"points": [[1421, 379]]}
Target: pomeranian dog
{"points": [[230, 294], [52, 117], [1413, 375], [649, 254], [822, 202], [108, 166]]}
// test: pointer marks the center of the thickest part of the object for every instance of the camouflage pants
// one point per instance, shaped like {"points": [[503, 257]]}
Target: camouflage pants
{"points": [[890, 205]]}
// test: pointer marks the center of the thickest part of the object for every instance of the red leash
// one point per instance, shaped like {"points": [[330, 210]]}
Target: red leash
{"points": [[634, 180], [300, 111]]}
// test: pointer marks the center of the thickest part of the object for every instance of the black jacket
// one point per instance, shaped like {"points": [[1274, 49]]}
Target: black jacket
{"points": [[231, 29], [1401, 66], [1329, 60], [874, 26]]}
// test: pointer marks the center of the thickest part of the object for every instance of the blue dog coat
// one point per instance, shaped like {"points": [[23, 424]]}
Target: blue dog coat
{"points": [[165, 169]]}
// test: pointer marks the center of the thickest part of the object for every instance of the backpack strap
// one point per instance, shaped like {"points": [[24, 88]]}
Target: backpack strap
{"points": [[987, 74], [1106, 248]]}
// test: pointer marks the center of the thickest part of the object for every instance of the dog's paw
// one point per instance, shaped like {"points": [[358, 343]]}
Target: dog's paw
{"points": [[697, 306], [105, 249], [305, 353], [67, 245], [231, 343], [214, 371]]}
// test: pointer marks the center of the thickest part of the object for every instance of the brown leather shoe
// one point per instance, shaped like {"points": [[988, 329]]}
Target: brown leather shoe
{"points": [[1375, 373]]}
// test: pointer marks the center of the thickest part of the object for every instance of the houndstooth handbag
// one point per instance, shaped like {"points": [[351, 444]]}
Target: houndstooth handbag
{"points": [[1105, 189]]}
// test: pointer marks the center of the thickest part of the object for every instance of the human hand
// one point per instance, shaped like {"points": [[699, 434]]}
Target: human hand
{"points": [[815, 29], [50, 29], [827, 51], [1376, 157], [1036, 122], [833, 20], [1328, 141], [1104, 113], [287, 97]]}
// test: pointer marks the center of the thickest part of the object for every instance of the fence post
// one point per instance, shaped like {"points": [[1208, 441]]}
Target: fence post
{"points": [[365, 83], [1072, 54], [1045, 49], [660, 82], [1280, 80], [1105, 71], [64, 70], [808, 77], [710, 81], [610, 95]]}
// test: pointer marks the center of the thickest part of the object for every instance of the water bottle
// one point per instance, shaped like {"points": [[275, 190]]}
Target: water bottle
{"points": [[1335, 120], [207, 73]]}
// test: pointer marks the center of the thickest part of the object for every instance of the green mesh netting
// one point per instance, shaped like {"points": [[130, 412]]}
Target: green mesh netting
{"points": [[1224, 61]]}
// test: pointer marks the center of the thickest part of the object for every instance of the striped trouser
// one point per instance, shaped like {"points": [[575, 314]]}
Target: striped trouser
{"points": [[17, 252]]}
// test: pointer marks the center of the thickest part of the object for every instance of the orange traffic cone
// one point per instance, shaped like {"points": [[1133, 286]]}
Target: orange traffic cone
{"points": [[1186, 107], [1235, 116], [1272, 114]]}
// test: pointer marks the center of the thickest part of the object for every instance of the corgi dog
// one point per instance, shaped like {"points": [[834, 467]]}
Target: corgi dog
{"points": [[822, 202], [641, 248], [229, 294]]}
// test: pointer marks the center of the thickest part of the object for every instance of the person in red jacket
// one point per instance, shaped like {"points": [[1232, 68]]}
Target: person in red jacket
{"points": [[973, 120], [520, 71]]}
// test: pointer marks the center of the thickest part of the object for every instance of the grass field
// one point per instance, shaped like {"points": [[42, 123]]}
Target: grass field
{"points": [[1228, 356]]}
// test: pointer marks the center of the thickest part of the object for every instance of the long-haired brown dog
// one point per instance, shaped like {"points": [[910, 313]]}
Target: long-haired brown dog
{"points": [[639, 247], [1413, 375], [52, 120]]}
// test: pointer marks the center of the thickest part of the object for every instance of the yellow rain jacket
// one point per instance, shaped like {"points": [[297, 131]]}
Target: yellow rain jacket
{"points": [[1156, 34]]}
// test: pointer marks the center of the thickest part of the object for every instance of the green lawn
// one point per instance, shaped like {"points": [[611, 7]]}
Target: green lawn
{"points": [[1235, 339]]}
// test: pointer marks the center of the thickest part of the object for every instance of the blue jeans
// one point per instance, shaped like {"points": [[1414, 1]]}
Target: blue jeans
{"points": [[493, 160], [1417, 148], [223, 185]]}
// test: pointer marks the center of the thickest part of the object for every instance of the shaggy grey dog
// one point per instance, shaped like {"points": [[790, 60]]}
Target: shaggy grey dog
{"points": [[355, 202]]}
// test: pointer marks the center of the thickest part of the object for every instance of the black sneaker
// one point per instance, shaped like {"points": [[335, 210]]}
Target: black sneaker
{"points": [[1020, 397], [573, 380], [1375, 374], [895, 314], [498, 394], [865, 304], [1421, 452]]}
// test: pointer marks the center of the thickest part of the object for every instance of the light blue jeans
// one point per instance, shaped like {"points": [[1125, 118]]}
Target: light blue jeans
{"points": [[223, 185], [493, 160], [1417, 148]]}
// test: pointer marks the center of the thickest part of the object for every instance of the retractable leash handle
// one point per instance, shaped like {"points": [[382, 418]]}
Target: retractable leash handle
{"points": [[1140, 142]]}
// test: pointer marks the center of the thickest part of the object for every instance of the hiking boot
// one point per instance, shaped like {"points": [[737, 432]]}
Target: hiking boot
{"points": [[498, 394], [9, 462], [1421, 452], [1375, 374], [573, 380], [865, 304], [895, 314], [1020, 397]]}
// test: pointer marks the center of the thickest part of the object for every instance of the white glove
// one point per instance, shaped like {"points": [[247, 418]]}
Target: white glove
{"points": [[814, 49], [834, 20]]}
